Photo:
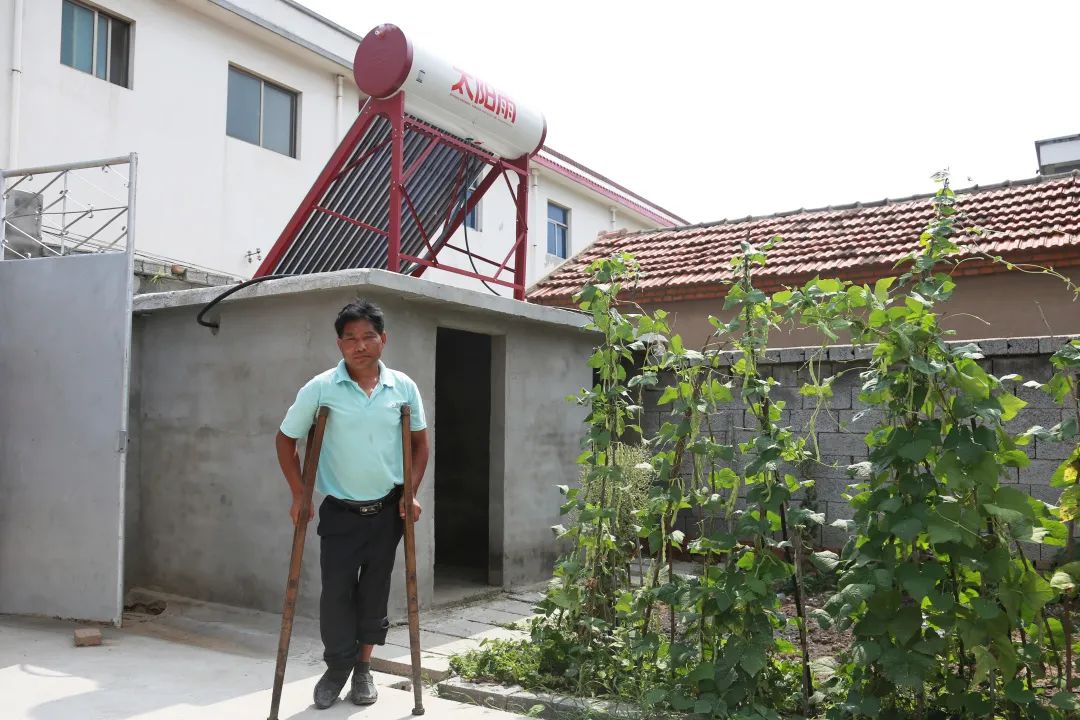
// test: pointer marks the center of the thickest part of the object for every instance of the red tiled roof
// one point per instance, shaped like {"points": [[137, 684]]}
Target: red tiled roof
{"points": [[1034, 220]]}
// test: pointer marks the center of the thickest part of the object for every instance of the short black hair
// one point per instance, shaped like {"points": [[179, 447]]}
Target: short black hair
{"points": [[360, 310]]}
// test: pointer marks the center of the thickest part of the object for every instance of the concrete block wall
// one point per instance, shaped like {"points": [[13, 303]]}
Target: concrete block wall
{"points": [[842, 422], [208, 506]]}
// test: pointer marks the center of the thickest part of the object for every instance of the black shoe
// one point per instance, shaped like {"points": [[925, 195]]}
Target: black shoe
{"points": [[363, 688], [328, 689]]}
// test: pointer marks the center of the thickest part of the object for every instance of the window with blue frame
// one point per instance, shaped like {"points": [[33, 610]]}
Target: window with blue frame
{"points": [[95, 43], [558, 231], [472, 220]]}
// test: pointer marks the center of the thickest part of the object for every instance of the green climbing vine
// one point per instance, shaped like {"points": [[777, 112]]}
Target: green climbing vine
{"points": [[693, 517], [945, 608]]}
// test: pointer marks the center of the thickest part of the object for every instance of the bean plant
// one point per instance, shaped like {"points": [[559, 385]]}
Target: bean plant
{"points": [[671, 598]]}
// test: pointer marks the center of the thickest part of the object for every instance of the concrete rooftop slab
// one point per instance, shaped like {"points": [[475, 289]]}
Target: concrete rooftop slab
{"points": [[367, 281]]}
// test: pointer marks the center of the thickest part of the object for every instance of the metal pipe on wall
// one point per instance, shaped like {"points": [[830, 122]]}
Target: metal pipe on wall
{"points": [[537, 226], [338, 106], [16, 84]]}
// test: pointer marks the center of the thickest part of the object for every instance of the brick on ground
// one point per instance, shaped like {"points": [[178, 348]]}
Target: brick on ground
{"points": [[87, 637]]}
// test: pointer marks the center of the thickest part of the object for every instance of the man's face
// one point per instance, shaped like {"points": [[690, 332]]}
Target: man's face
{"points": [[360, 343]]}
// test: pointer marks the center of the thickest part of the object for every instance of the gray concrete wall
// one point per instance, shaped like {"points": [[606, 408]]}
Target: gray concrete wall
{"points": [[64, 333], [212, 503], [841, 425]]}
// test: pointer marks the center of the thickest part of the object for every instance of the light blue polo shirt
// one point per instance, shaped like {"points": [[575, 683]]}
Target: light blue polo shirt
{"points": [[361, 450]]}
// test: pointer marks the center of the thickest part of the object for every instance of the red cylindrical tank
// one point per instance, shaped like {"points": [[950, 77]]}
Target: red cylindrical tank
{"points": [[446, 96]]}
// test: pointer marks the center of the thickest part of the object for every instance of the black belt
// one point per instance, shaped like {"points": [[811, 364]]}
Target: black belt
{"points": [[368, 507]]}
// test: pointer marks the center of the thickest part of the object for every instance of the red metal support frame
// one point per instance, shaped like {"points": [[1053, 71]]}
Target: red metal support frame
{"points": [[459, 217], [522, 231], [339, 166], [396, 107]]}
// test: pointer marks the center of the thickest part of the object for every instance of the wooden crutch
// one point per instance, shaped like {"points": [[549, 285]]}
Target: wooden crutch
{"points": [[410, 561], [292, 586]]}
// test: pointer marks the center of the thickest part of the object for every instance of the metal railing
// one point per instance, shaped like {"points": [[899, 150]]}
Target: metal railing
{"points": [[68, 209]]}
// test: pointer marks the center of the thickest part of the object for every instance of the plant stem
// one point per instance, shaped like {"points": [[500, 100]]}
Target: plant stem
{"points": [[794, 547]]}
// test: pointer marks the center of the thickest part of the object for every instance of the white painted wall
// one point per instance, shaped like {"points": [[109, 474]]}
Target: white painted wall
{"points": [[590, 214], [204, 198]]}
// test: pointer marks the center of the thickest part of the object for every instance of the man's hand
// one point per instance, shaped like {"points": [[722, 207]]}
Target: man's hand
{"points": [[415, 509], [294, 511]]}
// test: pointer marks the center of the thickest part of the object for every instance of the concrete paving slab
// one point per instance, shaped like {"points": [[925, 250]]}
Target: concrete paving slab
{"points": [[397, 660], [134, 676], [484, 613], [526, 596], [455, 626], [463, 645], [508, 604], [430, 641]]}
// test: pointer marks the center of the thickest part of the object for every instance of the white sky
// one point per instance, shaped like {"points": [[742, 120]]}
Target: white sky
{"points": [[722, 109]]}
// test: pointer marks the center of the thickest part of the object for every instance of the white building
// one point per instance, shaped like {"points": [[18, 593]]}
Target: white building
{"points": [[234, 106]]}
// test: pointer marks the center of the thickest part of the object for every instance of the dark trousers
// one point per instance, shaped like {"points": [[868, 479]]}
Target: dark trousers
{"points": [[357, 557]]}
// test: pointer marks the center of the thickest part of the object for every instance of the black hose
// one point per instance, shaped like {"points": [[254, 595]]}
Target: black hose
{"points": [[227, 293], [465, 226]]}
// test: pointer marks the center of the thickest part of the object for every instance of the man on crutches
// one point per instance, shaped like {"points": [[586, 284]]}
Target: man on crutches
{"points": [[361, 472]]}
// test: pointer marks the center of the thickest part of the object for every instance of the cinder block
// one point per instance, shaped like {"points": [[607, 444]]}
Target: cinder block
{"points": [[1049, 495], [87, 637], [1046, 450], [1038, 472], [862, 421], [1028, 417], [825, 421], [788, 395], [994, 347], [1023, 346], [832, 489], [793, 355], [1031, 367], [863, 352], [1034, 397], [831, 466], [842, 444], [841, 353], [787, 374], [831, 537]]}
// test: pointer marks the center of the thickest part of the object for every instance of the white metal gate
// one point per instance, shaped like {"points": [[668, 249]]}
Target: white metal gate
{"points": [[65, 349]]}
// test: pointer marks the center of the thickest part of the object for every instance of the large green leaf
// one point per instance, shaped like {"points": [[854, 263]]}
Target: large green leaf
{"points": [[907, 529], [919, 579], [907, 623]]}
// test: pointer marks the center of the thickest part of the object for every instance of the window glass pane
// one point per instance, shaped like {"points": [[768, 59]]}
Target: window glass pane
{"points": [[472, 220], [79, 36], [119, 52], [102, 55], [278, 115], [557, 213], [553, 239], [242, 116], [67, 34]]}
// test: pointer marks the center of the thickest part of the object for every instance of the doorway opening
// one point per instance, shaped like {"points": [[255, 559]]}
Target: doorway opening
{"points": [[462, 465]]}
